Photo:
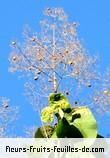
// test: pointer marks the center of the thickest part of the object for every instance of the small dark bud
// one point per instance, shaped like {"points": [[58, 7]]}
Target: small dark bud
{"points": [[67, 93], [89, 85], [76, 102]]}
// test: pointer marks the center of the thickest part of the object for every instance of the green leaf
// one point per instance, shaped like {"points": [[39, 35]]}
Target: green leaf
{"points": [[64, 130], [60, 131], [57, 103], [61, 128], [47, 114], [44, 132], [54, 135], [84, 121], [58, 100]]}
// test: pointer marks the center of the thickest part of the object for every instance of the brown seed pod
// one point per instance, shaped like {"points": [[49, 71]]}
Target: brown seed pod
{"points": [[106, 92], [39, 72], [33, 39], [89, 85], [50, 80], [6, 106], [13, 43], [14, 58], [36, 78]]}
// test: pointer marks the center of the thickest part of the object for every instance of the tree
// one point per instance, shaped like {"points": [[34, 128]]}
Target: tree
{"points": [[8, 115], [55, 61]]}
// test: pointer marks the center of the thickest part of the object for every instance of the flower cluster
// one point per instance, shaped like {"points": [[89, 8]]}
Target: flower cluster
{"points": [[55, 60], [8, 114]]}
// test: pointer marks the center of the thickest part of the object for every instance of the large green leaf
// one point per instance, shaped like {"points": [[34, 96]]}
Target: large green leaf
{"points": [[64, 130], [58, 100], [61, 129], [44, 132], [75, 123], [84, 121]]}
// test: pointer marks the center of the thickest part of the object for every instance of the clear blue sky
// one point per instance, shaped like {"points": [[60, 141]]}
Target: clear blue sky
{"points": [[94, 29]]}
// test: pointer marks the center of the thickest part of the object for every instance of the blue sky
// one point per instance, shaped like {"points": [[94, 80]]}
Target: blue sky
{"points": [[94, 30]]}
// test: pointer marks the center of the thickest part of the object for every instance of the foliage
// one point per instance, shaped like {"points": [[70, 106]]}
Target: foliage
{"points": [[57, 103], [73, 123]]}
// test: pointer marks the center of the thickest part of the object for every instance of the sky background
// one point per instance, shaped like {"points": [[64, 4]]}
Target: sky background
{"points": [[94, 19]]}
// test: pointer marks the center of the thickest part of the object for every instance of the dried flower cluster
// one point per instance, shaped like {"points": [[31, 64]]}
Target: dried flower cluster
{"points": [[55, 60], [101, 97], [7, 116]]}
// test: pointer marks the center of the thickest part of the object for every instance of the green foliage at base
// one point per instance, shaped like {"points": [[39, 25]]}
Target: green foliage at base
{"points": [[72, 122], [44, 132]]}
